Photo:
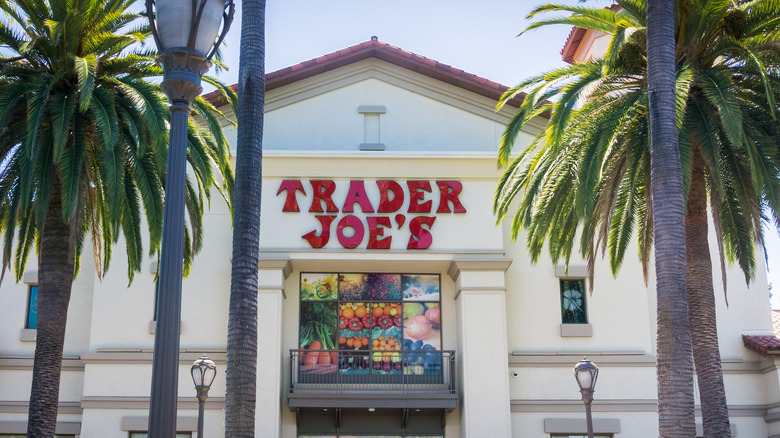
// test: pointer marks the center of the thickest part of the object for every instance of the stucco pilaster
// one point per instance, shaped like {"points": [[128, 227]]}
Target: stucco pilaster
{"points": [[270, 299], [482, 346]]}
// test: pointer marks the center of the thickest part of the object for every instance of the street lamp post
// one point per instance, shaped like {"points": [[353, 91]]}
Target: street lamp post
{"points": [[586, 373], [187, 34], [203, 372]]}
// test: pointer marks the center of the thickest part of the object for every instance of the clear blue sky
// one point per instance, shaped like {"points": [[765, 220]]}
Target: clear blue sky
{"points": [[479, 37]]}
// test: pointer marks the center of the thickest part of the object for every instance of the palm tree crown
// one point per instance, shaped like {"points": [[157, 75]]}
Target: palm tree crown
{"points": [[594, 155], [83, 150], [77, 110], [589, 173]]}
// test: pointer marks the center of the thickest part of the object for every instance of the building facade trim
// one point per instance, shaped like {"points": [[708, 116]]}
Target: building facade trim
{"points": [[19, 362], [485, 263], [144, 356], [129, 402], [282, 264], [20, 427], [577, 425], [619, 405], [22, 407], [183, 424]]}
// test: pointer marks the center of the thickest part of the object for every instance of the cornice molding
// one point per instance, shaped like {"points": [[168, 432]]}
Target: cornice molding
{"points": [[102, 402], [282, 263], [478, 263], [22, 407], [144, 356], [631, 359], [183, 424], [17, 428], [19, 362], [619, 405]]}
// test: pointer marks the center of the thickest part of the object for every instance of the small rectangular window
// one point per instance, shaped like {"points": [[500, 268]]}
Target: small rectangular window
{"points": [[32, 308], [573, 301]]}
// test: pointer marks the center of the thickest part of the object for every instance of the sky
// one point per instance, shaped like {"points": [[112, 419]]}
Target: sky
{"points": [[478, 37]]}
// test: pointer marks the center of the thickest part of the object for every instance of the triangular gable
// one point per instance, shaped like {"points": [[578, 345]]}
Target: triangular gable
{"points": [[374, 48]]}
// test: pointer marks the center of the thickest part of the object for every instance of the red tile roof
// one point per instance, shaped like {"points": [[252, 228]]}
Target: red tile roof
{"points": [[374, 48], [575, 38], [763, 345], [766, 345], [572, 44]]}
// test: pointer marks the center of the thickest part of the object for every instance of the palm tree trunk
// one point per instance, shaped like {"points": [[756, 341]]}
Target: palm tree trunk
{"points": [[701, 309], [241, 390], [55, 278], [674, 352]]}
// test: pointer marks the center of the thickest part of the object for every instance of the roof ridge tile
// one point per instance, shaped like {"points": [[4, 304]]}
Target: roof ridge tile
{"points": [[392, 54]]}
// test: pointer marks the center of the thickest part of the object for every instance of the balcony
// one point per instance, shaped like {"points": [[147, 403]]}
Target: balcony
{"points": [[377, 379]]}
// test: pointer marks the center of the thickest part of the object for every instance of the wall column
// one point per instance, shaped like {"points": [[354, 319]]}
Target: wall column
{"points": [[272, 274], [482, 346]]}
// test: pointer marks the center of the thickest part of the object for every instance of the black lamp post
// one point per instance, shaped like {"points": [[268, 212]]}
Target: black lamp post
{"points": [[203, 372], [586, 373], [187, 33]]}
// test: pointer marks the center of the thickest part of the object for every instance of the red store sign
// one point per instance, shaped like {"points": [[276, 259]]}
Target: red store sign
{"points": [[392, 195]]}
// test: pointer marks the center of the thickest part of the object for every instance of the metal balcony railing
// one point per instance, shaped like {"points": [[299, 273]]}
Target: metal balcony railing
{"points": [[356, 372]]}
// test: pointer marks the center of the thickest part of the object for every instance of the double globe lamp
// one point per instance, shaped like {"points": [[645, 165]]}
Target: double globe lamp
{"points": [[187, 34]]}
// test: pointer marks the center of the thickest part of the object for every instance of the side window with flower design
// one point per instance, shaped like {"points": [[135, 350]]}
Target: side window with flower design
{"points": [[573, 302]]}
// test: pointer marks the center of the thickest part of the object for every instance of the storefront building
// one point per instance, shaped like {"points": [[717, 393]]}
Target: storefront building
{"points": [[390, 302]]}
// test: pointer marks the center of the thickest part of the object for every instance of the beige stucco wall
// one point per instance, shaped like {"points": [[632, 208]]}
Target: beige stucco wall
{"points": [[432, 131]]}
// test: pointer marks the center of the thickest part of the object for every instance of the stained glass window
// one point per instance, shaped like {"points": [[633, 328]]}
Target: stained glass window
{"points": [[573, 302], [32, 308]]}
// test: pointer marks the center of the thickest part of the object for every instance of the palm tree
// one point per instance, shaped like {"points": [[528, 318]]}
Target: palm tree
{"points": [[674, 367], [83, 146], [241, 386], [592, 167]]}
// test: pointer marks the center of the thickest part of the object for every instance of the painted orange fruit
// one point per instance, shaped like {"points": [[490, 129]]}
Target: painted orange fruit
{"points": [[348, 313], [360, 311]]}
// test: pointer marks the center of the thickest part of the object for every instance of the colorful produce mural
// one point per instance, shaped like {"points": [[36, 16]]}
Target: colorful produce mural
{"points": [[370, 436], [421, 287], [366, 325], [318, 335], [383, 287], [319, 287], [422, 336]]}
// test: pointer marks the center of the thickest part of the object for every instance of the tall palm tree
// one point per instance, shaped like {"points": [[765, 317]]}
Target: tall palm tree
{"points": [[83, 146], [674, 367], [592, 167], [241, 389]]}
